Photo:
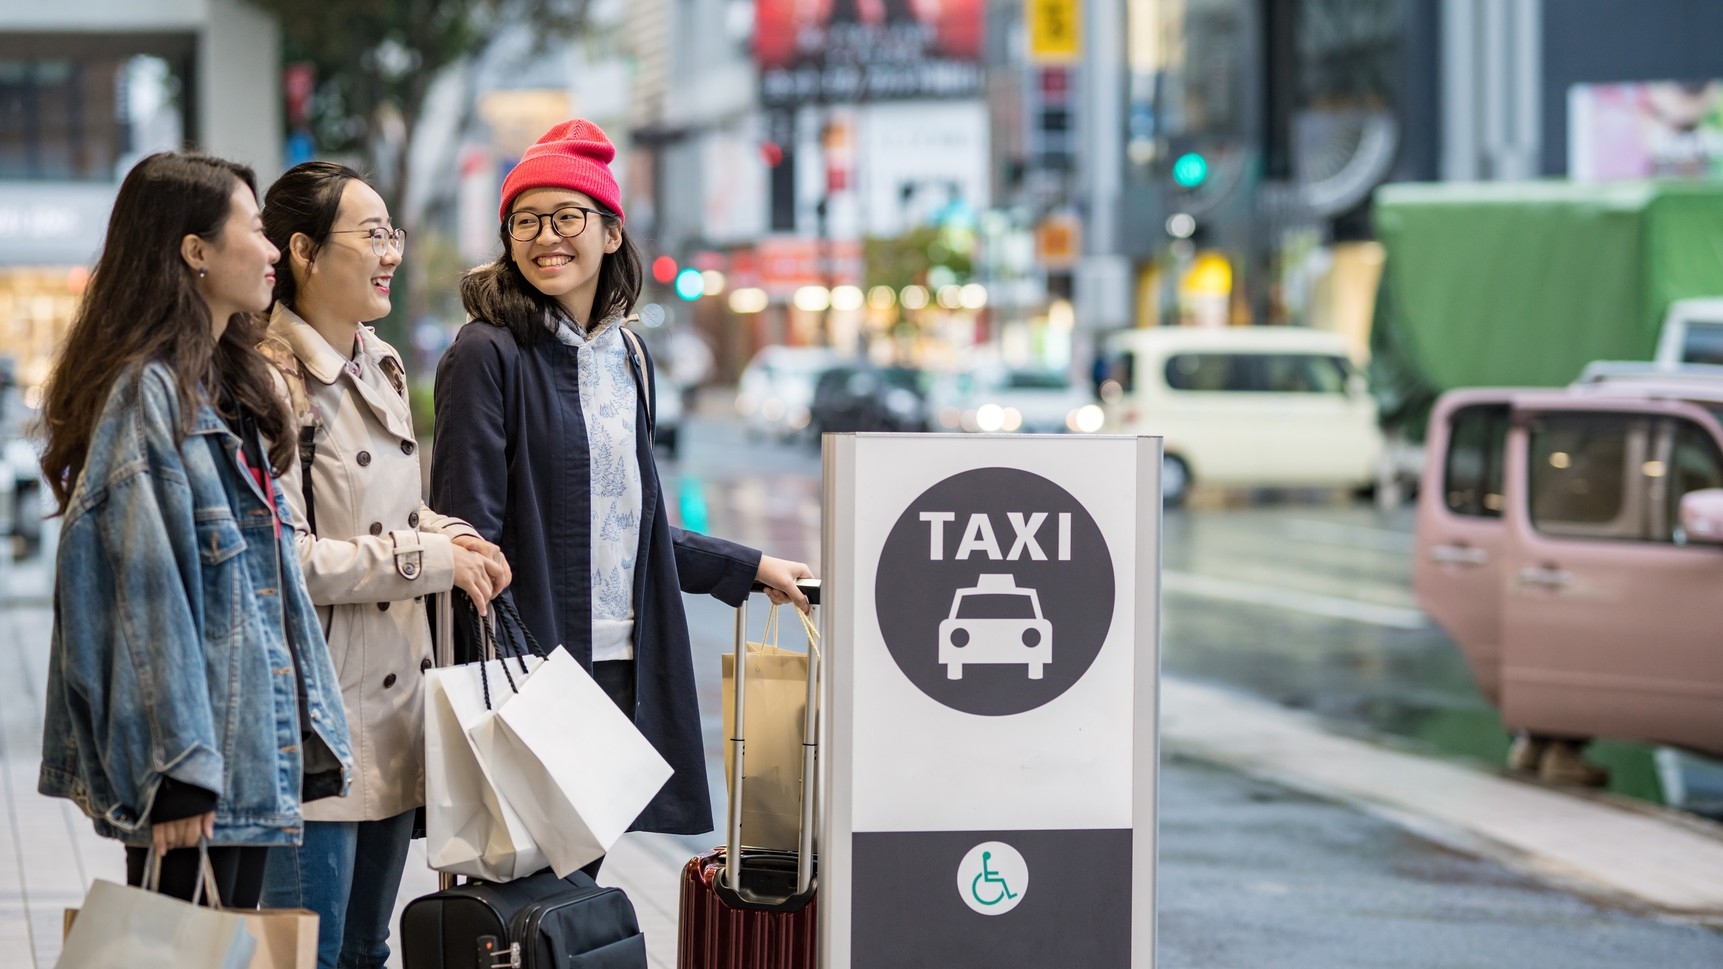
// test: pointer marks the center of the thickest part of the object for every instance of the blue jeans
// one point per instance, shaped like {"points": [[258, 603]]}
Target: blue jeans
{"points": [[348, 872]]}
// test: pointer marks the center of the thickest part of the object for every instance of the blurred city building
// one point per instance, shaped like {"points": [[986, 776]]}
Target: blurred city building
{"points": [[86, 90]]}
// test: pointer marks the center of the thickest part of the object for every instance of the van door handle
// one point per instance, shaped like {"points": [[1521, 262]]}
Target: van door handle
{"points": [[1547, 577], [1458, 555]]}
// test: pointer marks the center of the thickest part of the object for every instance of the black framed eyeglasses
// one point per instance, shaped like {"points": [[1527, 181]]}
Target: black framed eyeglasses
{"points": [[567, 222], [382, 239]]}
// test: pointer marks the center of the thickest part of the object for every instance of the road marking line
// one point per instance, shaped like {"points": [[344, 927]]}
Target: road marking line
{"points": [[1351, 536], [1277, 597]]}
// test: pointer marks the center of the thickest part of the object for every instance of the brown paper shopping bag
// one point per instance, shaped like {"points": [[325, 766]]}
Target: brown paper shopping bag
{"points": [[776, 709], [286, 938]]}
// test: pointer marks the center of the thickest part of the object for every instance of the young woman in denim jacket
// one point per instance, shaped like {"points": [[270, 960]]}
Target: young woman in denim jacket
{"points": [[544, 443], [190, 694], [370, 549]]}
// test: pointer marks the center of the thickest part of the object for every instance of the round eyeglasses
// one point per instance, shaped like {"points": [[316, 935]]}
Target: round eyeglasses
{"points": [[382, 239], [567, 222]]}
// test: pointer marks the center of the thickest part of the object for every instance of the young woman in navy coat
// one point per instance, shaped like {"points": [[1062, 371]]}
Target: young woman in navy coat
{"points": [[543, 443]]}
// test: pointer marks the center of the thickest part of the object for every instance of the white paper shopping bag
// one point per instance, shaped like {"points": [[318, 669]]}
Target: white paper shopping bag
{"points": [[470, 827], [573, 765]]}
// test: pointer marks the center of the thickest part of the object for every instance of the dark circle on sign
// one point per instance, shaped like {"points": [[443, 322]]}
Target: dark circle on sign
{"points": [[915, 593]]}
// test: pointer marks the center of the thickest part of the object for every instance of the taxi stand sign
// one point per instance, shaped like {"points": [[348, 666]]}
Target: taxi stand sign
{"points": [[990, 739]]}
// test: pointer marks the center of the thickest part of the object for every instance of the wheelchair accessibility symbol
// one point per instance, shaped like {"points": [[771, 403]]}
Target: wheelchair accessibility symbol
{"points": [[992, 878]]}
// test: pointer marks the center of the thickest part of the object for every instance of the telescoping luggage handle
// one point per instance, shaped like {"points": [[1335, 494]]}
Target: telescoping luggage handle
{"points": [[732, 880]]}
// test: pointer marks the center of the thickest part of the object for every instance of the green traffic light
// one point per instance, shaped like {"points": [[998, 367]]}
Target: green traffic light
{"points": [[689, 284], [1190, 170]]}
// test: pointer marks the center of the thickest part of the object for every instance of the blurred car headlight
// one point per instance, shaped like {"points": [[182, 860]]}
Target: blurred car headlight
{"points": [[1086, 419], [798, 417], [989, 418], [772, 409], [968, 422], [950, 418], [746, 405], [1013, 419]]}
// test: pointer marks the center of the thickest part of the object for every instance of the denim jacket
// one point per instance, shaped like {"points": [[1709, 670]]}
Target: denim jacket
{"points": [[184, 643]]}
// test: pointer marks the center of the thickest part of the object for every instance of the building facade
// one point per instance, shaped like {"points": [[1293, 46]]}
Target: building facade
{"points": [[85, 91]]}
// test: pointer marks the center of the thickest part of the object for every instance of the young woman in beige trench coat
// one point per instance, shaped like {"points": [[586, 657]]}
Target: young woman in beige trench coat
{"points": [[370, 549]]}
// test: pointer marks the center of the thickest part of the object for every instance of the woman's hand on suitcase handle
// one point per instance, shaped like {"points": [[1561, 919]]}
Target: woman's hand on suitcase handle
{"points": [[497, 565], [779, 577], [473, 576], [183, 833]]}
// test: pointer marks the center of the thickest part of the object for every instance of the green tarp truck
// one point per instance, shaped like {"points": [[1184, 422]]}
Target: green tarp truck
{"points": [[1523, 284]]}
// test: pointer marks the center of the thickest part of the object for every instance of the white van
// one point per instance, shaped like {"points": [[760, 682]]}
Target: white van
{"points": [[1265, 406], [1692, 333]]}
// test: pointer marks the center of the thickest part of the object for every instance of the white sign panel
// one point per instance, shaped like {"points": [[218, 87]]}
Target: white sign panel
{"points": [[918, 159], [991, 710]]}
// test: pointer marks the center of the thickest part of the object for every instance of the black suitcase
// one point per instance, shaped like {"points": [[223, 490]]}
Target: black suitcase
{"points": [[537, 922]]}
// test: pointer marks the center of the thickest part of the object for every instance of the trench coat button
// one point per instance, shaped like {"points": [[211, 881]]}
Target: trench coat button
{"points": [[382, 607], [376, 528], [408, 447], [388, 681], [413, 519], [409, 570], [364, 459], [424, 665]]}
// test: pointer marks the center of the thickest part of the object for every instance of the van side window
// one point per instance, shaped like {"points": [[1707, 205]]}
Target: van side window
{"points": [[1687, 459], [1208, 372], [1472, 477], [1582, 470], [1704, 343], [1262, 373], [1122, 370], [1300, 373]]}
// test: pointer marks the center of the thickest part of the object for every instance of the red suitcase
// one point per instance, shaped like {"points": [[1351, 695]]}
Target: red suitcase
{"points": [[761, 914]]}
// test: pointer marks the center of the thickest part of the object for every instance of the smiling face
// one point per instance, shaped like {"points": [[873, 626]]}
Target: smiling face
{"points": [[345, 280], [565, 269], [240, 261]]}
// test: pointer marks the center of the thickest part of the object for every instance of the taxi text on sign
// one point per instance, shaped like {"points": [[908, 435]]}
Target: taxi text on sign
{"points": [[1055, 31], [991, 701]]}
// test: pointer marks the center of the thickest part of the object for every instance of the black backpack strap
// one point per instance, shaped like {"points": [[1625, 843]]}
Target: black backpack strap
{"points": [[307, 457], [642, 378]]}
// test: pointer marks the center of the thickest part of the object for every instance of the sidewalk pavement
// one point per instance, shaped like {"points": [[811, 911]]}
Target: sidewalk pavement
{"points": [[1623, 854]]}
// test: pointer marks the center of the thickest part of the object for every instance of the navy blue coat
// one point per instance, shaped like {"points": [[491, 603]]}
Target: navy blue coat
{"points": [[511, 458]]}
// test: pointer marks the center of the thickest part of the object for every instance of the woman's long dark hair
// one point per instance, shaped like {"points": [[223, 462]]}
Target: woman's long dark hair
{"points": [[142, 304], [498, 293], [306, 198]]}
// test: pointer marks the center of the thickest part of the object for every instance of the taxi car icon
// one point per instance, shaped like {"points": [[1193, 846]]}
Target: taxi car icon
{"points": [[995, 622]]}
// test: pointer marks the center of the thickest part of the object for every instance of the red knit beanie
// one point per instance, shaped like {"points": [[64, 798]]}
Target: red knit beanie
{"points": [[574, 155]]}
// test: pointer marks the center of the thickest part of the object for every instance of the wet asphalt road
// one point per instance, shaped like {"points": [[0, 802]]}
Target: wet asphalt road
{"points": [[1307, 604]]}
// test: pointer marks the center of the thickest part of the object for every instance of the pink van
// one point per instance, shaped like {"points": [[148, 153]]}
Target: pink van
{"points": [[1571, 542]]}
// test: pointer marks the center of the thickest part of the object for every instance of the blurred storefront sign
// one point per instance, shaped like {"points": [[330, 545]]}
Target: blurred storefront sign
{"points": [[517, 118], [1059, 241], [920, 162], [865, 50], [786, 264], [735, 202], [1656, 129], [52, 224], [1055, 31], [298, 84], [476, 205]]}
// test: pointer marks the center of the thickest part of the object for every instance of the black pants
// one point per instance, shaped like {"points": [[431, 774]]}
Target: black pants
{"points": [[617, 678], [238, 872]]}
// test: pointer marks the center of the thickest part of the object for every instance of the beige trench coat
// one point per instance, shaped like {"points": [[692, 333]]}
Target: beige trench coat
{"points": [[377, 553]]}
